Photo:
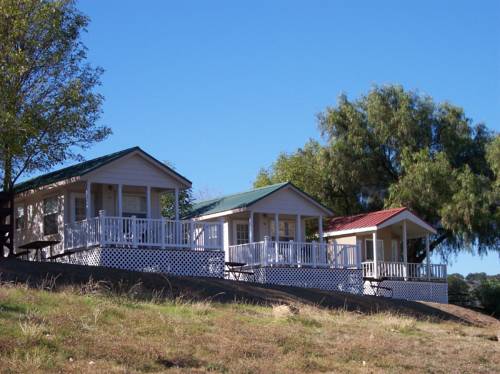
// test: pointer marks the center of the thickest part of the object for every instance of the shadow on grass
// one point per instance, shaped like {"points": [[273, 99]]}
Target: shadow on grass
{"points": [[157, 287]]}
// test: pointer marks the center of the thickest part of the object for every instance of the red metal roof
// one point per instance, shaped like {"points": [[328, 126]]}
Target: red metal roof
{"points": [[364, 220]]}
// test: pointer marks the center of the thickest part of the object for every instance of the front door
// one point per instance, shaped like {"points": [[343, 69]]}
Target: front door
{"points": [[240, 232], [78, 207], [369, 250]]}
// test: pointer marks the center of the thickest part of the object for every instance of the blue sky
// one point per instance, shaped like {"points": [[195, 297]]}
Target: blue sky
{"points": [[220, 88]]}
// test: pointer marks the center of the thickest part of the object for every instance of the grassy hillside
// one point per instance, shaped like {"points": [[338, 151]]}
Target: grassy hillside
{"points": [[82, 331], [93, 327]]}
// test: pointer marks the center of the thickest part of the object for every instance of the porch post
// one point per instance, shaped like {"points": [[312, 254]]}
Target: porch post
{"points": [[176, 204], [148, 201], [298, 229], [120, 200], [276, 235], [405, 252], [250, 228], [320, 229], [375, 265], [427, 256], [88, 203]]}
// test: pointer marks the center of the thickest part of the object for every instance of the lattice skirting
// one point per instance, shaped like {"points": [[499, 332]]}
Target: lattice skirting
{"points": [[345, 280], [417, 291], [178, 262]]}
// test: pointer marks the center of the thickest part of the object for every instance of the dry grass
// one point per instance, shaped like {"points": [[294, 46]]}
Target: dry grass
{"points": [[87, 329]]}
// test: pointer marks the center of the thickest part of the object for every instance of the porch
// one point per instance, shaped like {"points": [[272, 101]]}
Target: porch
{"points": [[404, 271], [295, 254], [133, 232], [384, 239]]}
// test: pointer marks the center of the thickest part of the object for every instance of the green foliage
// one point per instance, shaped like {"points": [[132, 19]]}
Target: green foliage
{"points": [[488, 294], [473, 277], [48, 103], [458, 290], [394, 147], [306, 168], [167, 202]]}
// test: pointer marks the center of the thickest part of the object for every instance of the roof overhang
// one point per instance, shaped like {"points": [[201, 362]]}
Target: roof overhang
{"points": [[148, 158], [405, 215], [248, 207]]}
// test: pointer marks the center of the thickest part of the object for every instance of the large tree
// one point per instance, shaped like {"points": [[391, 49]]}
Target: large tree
{"points": [[393, 147], [48, 103]]}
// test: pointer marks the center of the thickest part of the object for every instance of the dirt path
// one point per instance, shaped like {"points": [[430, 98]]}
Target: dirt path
{"points": [[226, 291]]}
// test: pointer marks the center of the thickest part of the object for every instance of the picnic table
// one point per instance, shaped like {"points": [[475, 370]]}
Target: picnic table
{"points": [[236, 269], [37, 245], [376, 287]]}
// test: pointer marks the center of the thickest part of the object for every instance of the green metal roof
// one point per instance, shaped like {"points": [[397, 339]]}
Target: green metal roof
{"points": [[79, 170], [235, 201]]}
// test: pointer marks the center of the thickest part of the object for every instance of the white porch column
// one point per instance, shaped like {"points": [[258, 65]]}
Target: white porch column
{"points": [[120, 200], [88, 202], [148, 201], [428, 256], [250, 228], [176, 204], [276, 235], [320, 229], [405, 251], [375, 265], [298, 229]]}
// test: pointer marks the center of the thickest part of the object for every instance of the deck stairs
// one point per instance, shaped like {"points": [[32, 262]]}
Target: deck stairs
{"points": [[6, 224]]}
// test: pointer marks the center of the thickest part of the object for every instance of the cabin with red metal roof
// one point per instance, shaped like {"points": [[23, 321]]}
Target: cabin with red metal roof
{"points": [[382, 239]]}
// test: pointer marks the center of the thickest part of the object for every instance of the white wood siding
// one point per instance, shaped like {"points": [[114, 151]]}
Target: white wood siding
{"points": [[133, 171], [287, 201]]}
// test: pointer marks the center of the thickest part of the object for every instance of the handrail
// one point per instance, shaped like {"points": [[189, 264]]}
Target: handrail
{"points": [[143, 232], [401, 270], [291, 253]]}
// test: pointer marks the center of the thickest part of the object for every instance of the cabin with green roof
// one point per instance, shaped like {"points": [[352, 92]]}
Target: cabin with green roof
{"points": [[277, 213], [109, 201]]}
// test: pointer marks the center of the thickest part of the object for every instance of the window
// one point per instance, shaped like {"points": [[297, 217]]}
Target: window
{"points": [[80, 208], [287, 231], [369, 250], [242, 233], [50, 213], [134, 205], [395, 251], [20, 218]]}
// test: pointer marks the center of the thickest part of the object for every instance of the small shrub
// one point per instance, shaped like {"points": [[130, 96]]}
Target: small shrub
{"points": [[458, 290], [488, 293]]}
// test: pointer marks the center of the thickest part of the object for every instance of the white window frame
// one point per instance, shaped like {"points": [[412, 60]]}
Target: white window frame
{"points": [[395, 257], [74, 196], [44, 214], [291, 231], [235, 230], [23, 226], [381, 250], [139, 195]]}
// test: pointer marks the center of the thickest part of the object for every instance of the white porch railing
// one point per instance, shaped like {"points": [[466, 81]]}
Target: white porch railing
{"points": [[400, 270], [141, 232], [296, 254]]}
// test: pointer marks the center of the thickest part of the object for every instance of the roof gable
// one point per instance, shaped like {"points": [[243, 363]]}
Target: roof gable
{"points": [[243, 200], [374, 221], [364, 220], [234, 201], [84, 168]]}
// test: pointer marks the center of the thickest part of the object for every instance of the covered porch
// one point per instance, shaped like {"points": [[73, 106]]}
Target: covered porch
{"points": [[124, 215], [383, 239], [273, 239]]}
